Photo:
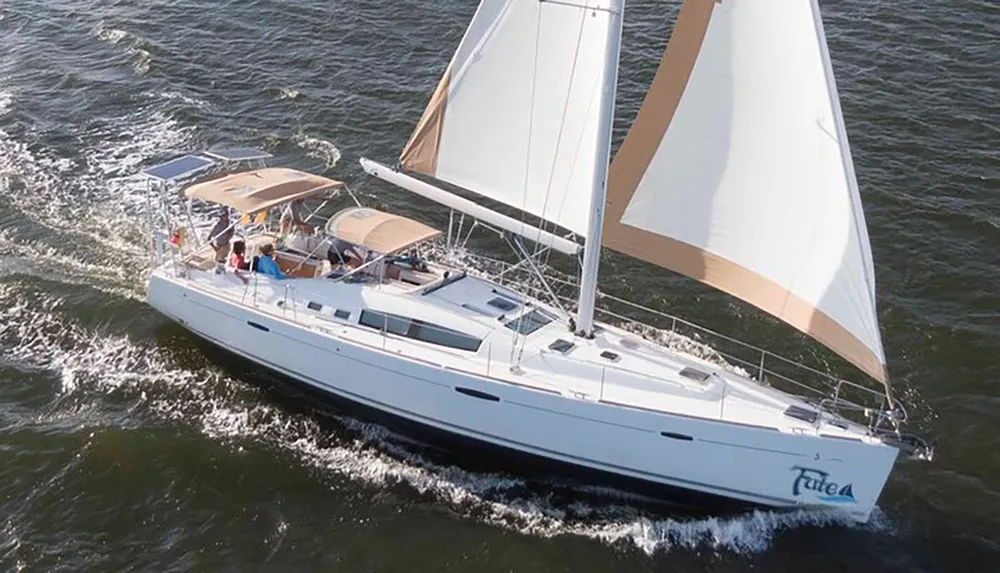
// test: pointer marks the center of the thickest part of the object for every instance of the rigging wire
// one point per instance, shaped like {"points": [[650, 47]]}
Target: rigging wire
{"points": [[538, 248], [527, 162], [562, 126]]}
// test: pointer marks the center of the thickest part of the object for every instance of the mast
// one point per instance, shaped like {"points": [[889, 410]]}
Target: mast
{"points": [[592, 248]]}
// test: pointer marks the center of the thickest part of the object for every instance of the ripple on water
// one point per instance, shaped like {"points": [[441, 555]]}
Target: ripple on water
{"points": [[319, 148], [135, 45]]}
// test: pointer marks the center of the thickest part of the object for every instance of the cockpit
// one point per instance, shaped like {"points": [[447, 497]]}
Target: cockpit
{"points": [[356, 244]]}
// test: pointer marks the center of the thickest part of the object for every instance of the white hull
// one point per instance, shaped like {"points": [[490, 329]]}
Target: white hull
{"points": [[763, 465]]}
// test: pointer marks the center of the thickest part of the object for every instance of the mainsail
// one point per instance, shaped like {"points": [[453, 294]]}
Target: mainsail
{"points": [[516, 115], [737, 172]]}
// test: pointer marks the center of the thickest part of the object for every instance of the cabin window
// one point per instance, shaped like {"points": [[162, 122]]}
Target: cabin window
{"points": [[388, 322], [443, 336], [420, 330], [529, 322], [342, 314]]}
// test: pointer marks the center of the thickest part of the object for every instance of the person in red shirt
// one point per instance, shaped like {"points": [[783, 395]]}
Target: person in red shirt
{"points": [[237, 260]]}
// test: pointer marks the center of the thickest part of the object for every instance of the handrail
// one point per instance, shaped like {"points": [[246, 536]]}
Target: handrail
{"points": [[831, 382], [287, 296], [824, 394]]}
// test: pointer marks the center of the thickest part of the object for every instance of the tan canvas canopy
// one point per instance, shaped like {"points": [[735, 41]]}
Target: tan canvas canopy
{"points": [[253, 191], [378, 231]]}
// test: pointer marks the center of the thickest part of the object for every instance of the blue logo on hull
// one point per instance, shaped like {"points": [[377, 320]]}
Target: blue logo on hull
{"points": [[818, 481]]}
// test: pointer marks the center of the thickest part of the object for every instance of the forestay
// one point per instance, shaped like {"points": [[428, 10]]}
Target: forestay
{"points": [[515, 117], [737, 172]]}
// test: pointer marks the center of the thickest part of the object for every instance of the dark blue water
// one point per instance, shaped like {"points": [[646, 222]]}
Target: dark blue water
{"points": [[127, 445]]}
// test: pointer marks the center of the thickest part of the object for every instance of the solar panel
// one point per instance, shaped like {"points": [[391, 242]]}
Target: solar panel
{"points": [[238, 154], [179, 168]]}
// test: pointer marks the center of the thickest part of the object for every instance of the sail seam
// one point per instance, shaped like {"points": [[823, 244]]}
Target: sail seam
{"points": [[562, 126], [585, 7]]}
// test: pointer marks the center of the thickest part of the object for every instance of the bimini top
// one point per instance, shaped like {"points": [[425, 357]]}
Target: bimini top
{"points": [[253, 191], [381, 232]]}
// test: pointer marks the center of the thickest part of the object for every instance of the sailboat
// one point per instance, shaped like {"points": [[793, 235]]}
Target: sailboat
{"points": [[736, 172]]}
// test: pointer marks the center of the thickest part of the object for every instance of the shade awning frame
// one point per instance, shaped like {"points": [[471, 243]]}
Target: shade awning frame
{"points": [[251, 192], [378, 231]]}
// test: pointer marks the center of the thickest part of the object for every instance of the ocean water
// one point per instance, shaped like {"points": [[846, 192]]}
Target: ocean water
{"points": [[126, 444]]}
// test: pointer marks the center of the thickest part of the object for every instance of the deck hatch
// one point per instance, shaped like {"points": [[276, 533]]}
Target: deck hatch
{"points": [[342, 314], [695, 374], [503, 304], [528, 322], [562, 346], [507, 295], [314, 306], [608, 355], [800, 413]]}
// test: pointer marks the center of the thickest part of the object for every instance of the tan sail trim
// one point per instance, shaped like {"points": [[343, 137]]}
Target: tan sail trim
{"points": [[631, 163], [421, 152], [658, 108], [757, 290]]}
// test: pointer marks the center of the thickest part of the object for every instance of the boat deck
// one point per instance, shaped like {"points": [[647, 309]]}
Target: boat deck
{"points": [[615, 367]]}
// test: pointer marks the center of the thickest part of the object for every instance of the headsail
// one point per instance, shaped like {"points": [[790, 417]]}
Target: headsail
{"points": [[515, 116], [737, 172]]}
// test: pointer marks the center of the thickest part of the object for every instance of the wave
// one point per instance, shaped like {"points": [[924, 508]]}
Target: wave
{"points": [[321, 149], [10, 539], [6, 101], [287, 93], [184, 98], [136, 46], [97, 195], [112, 35]]}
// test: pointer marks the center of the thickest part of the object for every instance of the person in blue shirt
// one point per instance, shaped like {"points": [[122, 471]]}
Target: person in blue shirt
{"points": [[266, 264]]}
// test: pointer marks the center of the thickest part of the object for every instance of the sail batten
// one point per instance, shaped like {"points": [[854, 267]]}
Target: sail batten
{"points": [[737, 173]]}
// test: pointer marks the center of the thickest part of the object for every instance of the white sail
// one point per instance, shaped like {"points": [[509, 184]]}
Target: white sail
{"points": [[516, 115], [737, 172]]}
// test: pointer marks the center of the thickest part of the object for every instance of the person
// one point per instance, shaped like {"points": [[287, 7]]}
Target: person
{"points": [[238, 260], [219, 237], [266, 265], [340, 252], [294, 219]]}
